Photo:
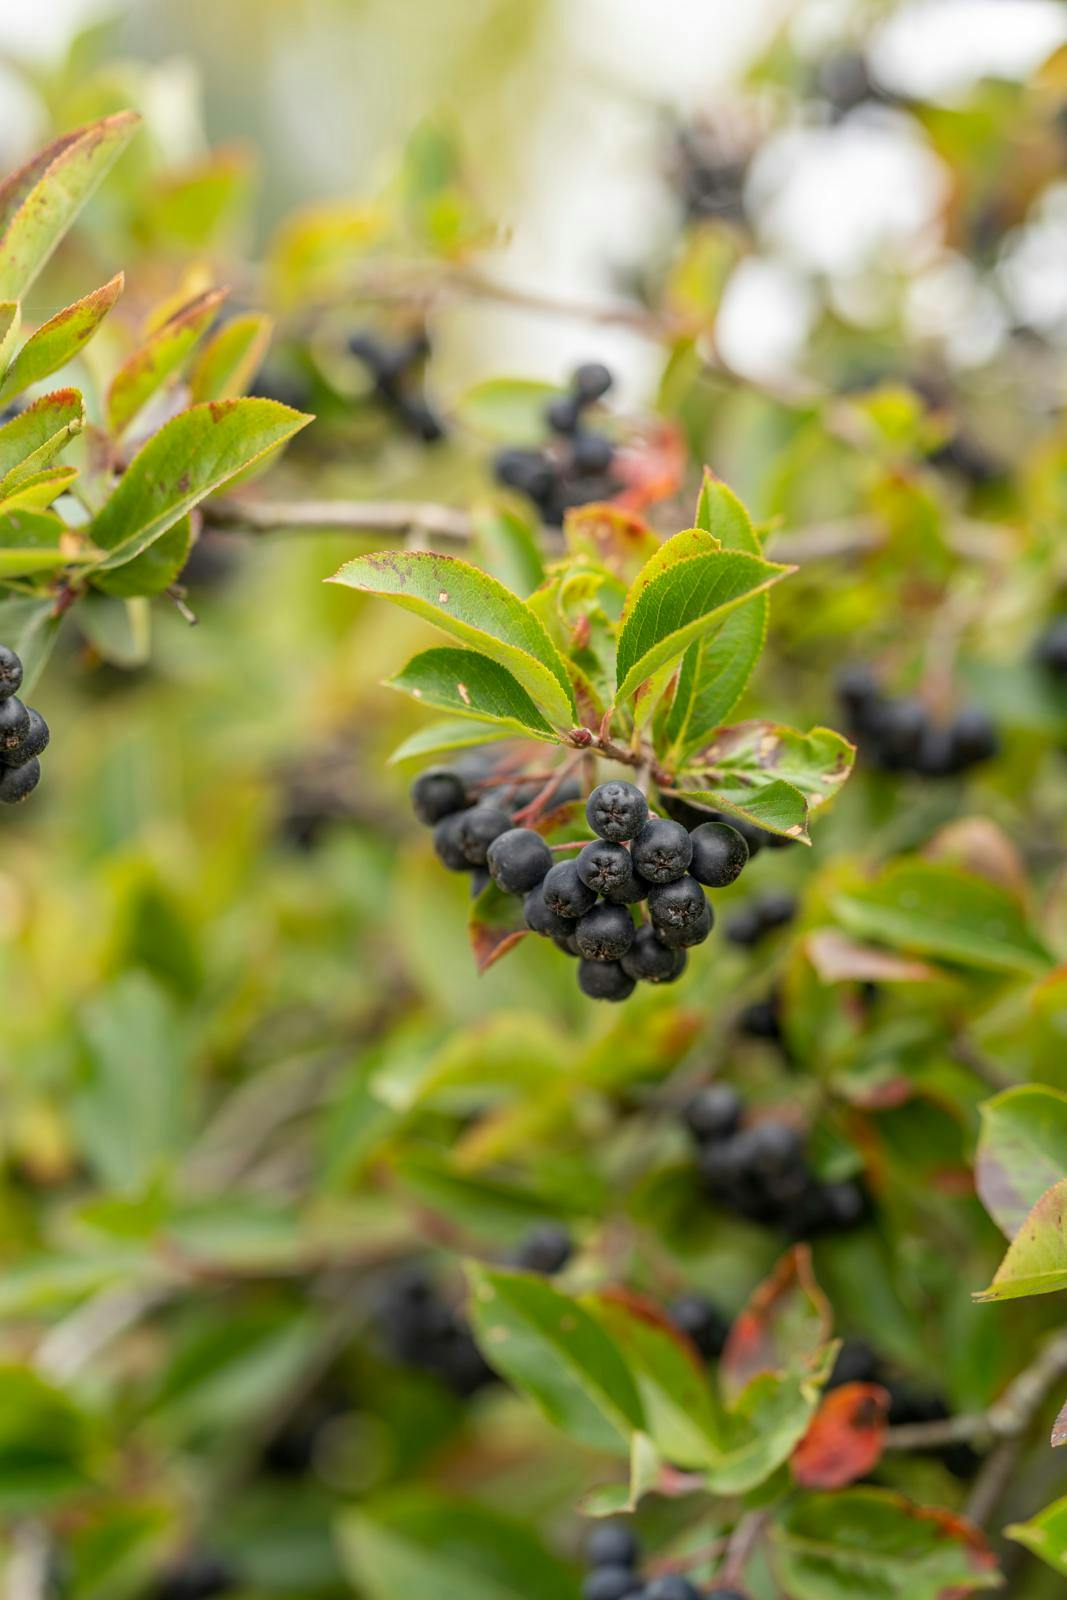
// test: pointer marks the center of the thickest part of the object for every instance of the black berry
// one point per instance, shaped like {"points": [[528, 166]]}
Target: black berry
{"points": [[562, 414], [701, 1322], [670, 1586], [612, 1544], [564, 891], [605, 933], [540, 918], [546, 1248], [604, 980], [437, 793], [651, 961], [592, 452], [714, 1113], [518, 860], [17, 782], [720, 854], [689, 934], [605, 867], [477, 828], [662, 850], [677, 905], [611, 1583], [526, 470], [34, 742], [591, 381], [10, 672], [974, 738], [14, 723], [616, 810], [447, 843]]}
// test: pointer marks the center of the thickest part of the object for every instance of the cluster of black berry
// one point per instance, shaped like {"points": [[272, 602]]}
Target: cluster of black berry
{"points": [[23, 734], [761, 1171], [898, 735], [1050, 650], [396, 371], [759, 918], [613, 1554], [576, 466], [421, 1329], [703, 1324]]}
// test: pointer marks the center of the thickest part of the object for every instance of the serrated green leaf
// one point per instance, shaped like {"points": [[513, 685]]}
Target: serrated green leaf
{"points": [[40, 201], [37, 492], [192, 455], [154, 570], [1022, 1151], [473, 685], [59, 340], [475, 609], [550, 1348], [230, 359], [682, 603], [1036, 1261], [160, 358], [777, 807], [29, 441], [759, 769], [437, 738], [10, 322]]}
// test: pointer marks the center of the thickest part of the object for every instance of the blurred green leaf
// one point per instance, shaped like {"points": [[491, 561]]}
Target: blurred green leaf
{"points": [[59, 340], [1022, 1151], [160, 358]]}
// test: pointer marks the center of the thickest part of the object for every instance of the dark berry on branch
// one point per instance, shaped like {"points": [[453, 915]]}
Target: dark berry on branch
{"points": [[936, 756], [605, 933], [526, 470], [518, 860], [564, 891], [714, 1113], [612, 1544], [974, 738], [540, 918], [604, 867], [604, 980], [776, 909], [746, 928], [437, 793], [14, 722], [18, 782], [858, 689], [568, 944], [546, 1248], [650, 961], [591, 381], [670, 1586], [35, 741], [10, 672], [760, 1019], [562, 414], [420, 418], [701, 1322], [899, 731], [720, 854], [844, 1204], [447, 843], [662, 850], [681, 904], [688, 935], [611, 1583], [616, 810], [592, 452], [477, 828]]}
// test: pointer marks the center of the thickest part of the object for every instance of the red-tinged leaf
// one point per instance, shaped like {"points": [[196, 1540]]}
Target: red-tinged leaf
{"points": [[846, 1438], [59, 340], [652, 467], [785, 1326], [839, 959], [978, 846], [1059, 1427], [619, 539], [1036, 1262], [495, 926], [161, 357]]}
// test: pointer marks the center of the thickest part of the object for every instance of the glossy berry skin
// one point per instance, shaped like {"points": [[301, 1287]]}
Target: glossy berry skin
{"points": [[14, 723], [10, 672], [33, 744], [17, 782], [670, 1586], [720, 854], [477, 828], [611, 1583], [650, 961], [567, 943], [565, 893], [540, 918], [592, 452], [437, 793], [690, 934], [677, 905], [616, 810], [605, 867], [612, 1544], [714, 1113], [447, 843], [591, 381], [518, 860], [662, 850], [701, 1322], [605, 933], [604, 980], [546, 1249]]}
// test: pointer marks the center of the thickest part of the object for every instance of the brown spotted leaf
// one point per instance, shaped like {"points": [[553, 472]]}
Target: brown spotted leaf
{"points": [[160, 358], [59, 340], [846, 1437], [772, 775]]}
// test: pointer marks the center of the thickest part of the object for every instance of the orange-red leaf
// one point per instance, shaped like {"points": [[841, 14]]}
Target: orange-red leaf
{"points": [[846, 1437]]}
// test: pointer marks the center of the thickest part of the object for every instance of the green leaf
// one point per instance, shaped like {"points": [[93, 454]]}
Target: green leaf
{"points": [[40, 201], [438, 738], [508, 410], [154, 570], [473, 685], [120, 631], [10, 322], [770, 774], [936, 909], [45, 1443], [681, 604], [37, 492], [230, 359], [415, 1543], [192, 455], [29, 625], [777, 807], [550, 1347], [873, 1542], [507, 547], [475, 609], [29, 441], [161, 357], [1036, 1261], [37, 541], [1022, 1151], [1045, 1535], [59, 340]]}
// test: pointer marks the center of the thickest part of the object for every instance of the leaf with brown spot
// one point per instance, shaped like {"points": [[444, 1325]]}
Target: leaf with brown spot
{"points": [[472, 685], [846, 1438], [785, 1326], [59, 340], [160, 358], [30, 441]]}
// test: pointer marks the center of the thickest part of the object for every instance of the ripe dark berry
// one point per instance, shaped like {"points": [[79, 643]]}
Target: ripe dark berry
{"points": [[592, 452], [14, 722], [936, 757], [777, 909], [567, 943], [714, 1113], [420, 418], [437, 793], [746, 928], [760, 1019], [518, 860], [17, 782], [688, 935], [651, 961], [898, 732], [774, 1147], [612, 1544], [10, 672], [540, 918], [604, 980], [670, 1586], [564, 891], [856, 1363], [974, 738], [546, 1248], [447, 843], [197, 1577], [844, 1205], [36, 740], [591, 380], [604, 867], [616, 810], [477, 828], [611, 1583], [720, 854], [1050, 651], [857, 688], [526, 470], [701, 1322], [562, 414], [662, 850], [605, 933], [677, 905]]}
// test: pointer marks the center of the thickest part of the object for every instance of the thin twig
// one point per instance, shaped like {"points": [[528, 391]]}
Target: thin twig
{"points": [[446, 523], [992, 1481], [1007, 1418], [740, 1546]]}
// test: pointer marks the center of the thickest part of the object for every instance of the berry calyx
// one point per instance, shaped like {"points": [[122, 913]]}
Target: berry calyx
{"points": [[662, 850], [605, 867], [681, 904], [688, 934], [540, 917], [616, 810]]}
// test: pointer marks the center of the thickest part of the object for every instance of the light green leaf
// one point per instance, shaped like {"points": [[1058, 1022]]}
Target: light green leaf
{"points": [[773, 775], [507, 547], [40, 201], [38, 541], [508, 410], [46, 1446], [872, 1542], [161, 357], [230, 359], [681, 604], [29, 625], [1045, 1535], [1036, 1262], [192, 455], [155, 569], [37, 492], [59, 340], [1022, 1151], [473, 685], [550, 1347], [475, 609], [777, 807], [10, 322], [438, 738], [29, 441]]}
